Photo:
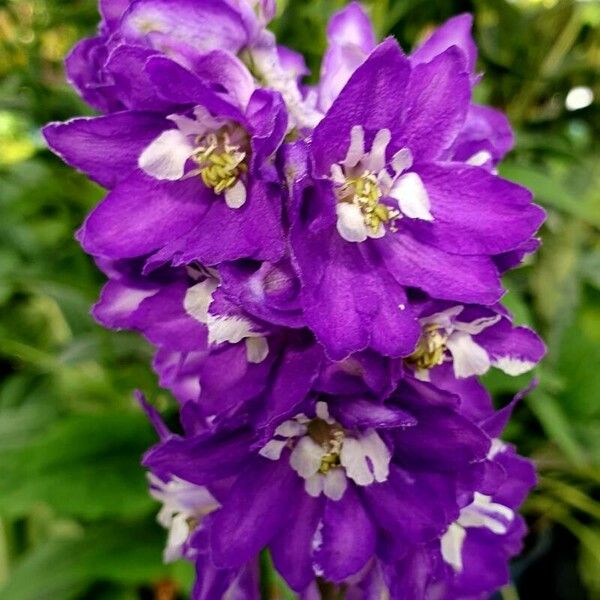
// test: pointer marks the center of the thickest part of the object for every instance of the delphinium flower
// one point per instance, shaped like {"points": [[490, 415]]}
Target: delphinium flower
{"points": [[319, 270]]}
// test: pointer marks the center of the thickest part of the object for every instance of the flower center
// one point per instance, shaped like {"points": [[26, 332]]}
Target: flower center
{"points": [[330, 436], [221, 163], [364, 191], [430, 349]]}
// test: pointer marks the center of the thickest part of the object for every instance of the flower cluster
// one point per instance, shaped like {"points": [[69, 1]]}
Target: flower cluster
{"points": [[319, 270]]}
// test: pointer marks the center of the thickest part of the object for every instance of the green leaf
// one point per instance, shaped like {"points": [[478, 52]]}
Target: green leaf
{"points": [[556, 425], [550, 191], [85, 466], [63, 568]]}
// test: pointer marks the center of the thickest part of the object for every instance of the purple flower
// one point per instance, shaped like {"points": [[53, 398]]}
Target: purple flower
{"points": [[474, 339], [331, 485], [319, 270], [220, 40], [387, 211], [176, 179]]}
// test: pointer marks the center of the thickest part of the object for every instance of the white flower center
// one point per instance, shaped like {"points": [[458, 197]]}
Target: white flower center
{"points": [[325, 455], [220, 150], [443, 335], [221, 163], [372, 194]]}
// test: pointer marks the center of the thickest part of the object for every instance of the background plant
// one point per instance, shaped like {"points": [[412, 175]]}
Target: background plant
{"points": [[75, 517]]}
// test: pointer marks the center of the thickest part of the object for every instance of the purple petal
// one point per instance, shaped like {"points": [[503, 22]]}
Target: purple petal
{"points": [[205, 26], [347, 537], [373, 97], [350, 38], [224, 69], [164, 321], [452, 441], [476, 402], [119, 301], [143, 214], [349, 302], [203, 460], [510, 260], [105, 148], [403, 495], [267, 120], [292, 549], [228, 380], [85, 71], [270, 292], [485, 130], [454, 32], [126, 66], [298, 368], [474, 211], [359, 413], [437, 100], [153, 416], [176, 84], [515, 350], [439, 274], [261, 502], [112, 10], [251, 231]]}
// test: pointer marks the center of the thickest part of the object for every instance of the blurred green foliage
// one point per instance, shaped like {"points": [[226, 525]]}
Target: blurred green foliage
{"points": [[75, 517]]}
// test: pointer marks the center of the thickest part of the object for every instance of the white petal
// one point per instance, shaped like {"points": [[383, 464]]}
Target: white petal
{"points": [[178, 535], [402, 161], [479, 158], [497, 447], [198, 298], [257, 349], [444, 319], [468, 357], [478, 325], [376, 235], [513, 365], [375, 449], [376, 160], [350, 223], [187, 126], [337, 174], [314, 485], [322, 411], [306, 457], [412, 197], [290, 429], [482, 512], [385, 182], [228, 329], [452, 545], [206, 120], [422, 374], [356, 150], [235, 197], [166, 156], [335, 484], [353, 459], [273, 449]]}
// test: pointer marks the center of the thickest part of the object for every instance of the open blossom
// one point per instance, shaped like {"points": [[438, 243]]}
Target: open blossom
{"points": [[474, 339], [319, 271], [332, 485]]}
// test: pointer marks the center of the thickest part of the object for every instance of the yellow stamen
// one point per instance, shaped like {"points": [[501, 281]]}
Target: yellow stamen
{"points": [[364, 191], [330, 437], [221, 164], [430, 349]]}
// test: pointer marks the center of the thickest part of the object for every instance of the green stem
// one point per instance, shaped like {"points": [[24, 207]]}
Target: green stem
{"points": [[330, 591]]}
